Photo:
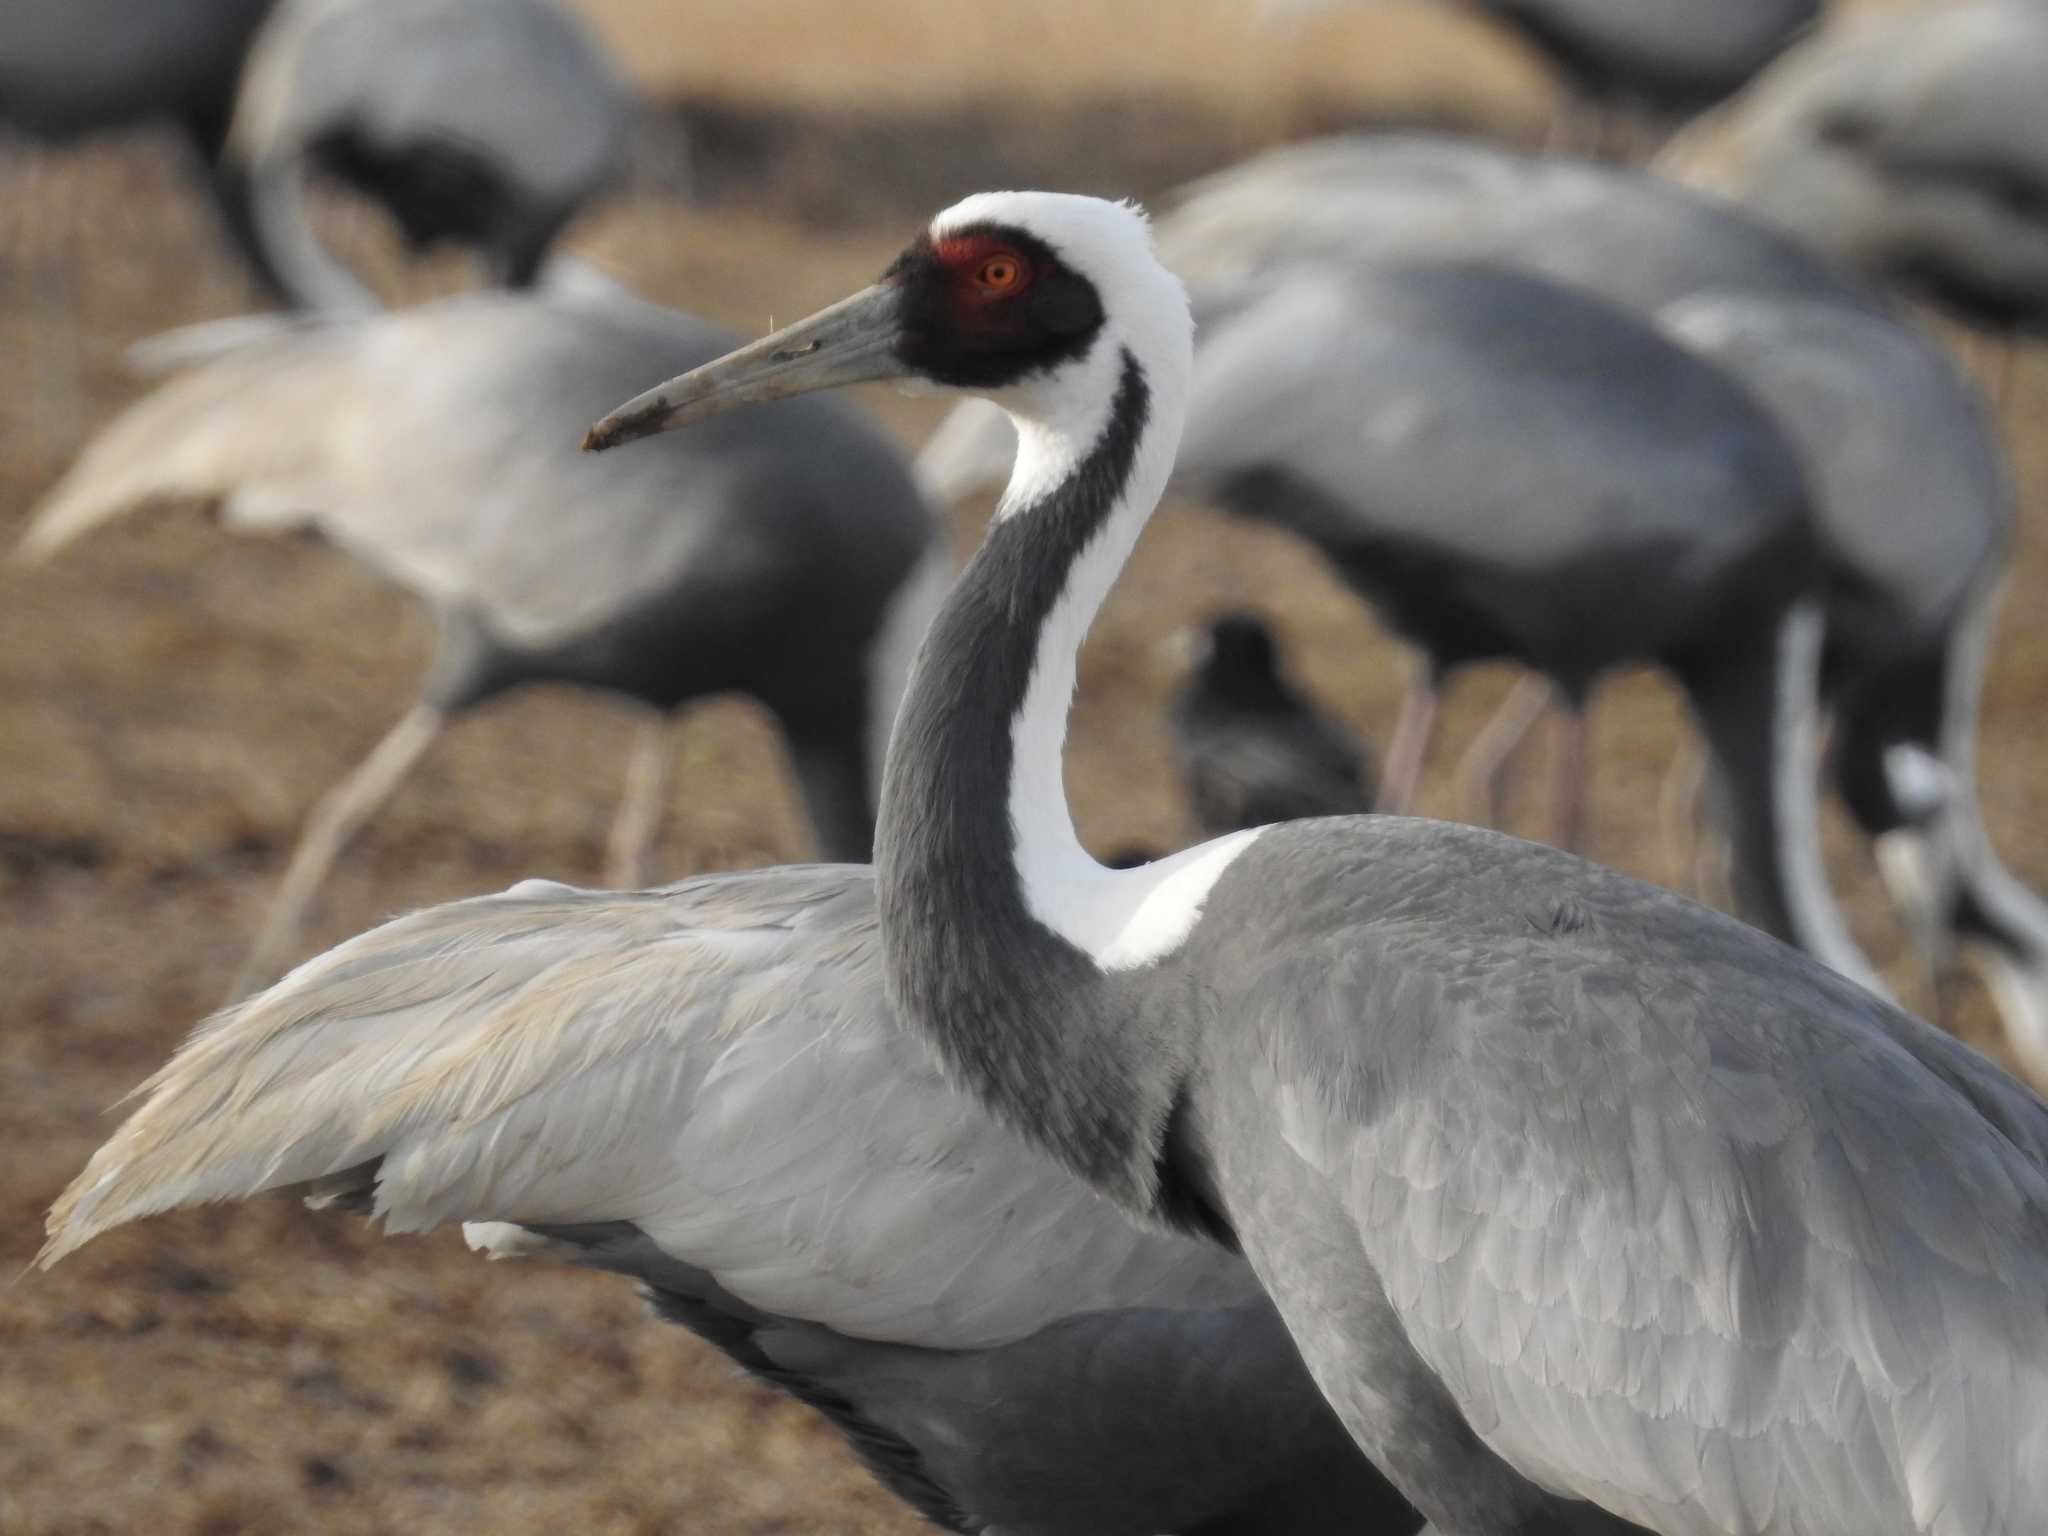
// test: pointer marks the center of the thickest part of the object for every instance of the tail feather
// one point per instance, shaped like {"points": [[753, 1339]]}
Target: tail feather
{"points": [[244, 430]]}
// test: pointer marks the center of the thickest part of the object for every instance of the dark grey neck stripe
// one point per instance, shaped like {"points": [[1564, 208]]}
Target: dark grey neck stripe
{"points": [[1006, 1000]]}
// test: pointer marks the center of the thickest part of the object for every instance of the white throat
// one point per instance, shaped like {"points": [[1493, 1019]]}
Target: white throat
{"points": [[1121, 918]]}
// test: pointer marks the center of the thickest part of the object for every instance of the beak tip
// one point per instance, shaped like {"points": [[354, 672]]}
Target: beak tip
{"points": [[615, 429]]}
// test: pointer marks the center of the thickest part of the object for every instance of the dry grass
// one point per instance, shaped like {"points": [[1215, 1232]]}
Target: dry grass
{"points": [[171, 700]]}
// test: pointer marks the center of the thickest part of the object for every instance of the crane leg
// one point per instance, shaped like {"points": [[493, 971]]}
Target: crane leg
{"points": [[1482, 772], [1568, 784], [342, 812], [650, 772], [1405, 753]]}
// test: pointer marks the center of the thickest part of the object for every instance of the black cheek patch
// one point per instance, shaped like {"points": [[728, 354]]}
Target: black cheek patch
{"points": [[954, 335], [1062, 304]]}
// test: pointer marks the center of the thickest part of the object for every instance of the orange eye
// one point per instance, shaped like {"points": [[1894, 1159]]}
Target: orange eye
{"points": [[1000, 274]]}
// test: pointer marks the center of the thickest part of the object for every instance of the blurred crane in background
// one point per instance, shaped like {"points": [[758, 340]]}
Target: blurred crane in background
{"points": [[1912, 142], [483, 123], [785, 555]]}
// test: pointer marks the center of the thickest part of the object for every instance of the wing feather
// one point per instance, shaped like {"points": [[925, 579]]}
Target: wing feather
{"points": [[712, 1063], [1683, 1224]]}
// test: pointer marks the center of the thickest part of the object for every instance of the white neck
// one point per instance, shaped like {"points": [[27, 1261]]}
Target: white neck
{"points": [[1121, 918]]}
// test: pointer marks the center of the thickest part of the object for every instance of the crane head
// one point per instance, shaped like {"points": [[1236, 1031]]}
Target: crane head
{"points": [[1009, 294]]}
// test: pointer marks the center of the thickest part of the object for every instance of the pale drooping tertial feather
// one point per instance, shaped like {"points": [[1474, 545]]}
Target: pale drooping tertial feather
{"points": [[705, 1062]]}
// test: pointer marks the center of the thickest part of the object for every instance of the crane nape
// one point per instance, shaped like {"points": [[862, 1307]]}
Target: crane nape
{"points": [[701, 1087], [482, 123], [1586, 1204], [435, 446]]}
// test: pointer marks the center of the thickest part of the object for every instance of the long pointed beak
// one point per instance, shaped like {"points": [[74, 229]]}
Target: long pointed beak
{"points": [[853, 341]]}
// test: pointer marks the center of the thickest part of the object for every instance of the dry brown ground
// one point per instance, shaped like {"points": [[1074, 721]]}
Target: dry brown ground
{"points": [[171, 700]]}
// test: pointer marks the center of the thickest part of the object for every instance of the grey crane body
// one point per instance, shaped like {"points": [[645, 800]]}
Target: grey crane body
{"points": [[1492, 455], [1251, 748], [484, 123], [702, 1088], [1510, 469], [785, 557], [1911, 142], [1583, 1202]]}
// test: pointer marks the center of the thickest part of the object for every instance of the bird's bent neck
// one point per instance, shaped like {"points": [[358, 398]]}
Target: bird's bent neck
{"points": [[1006, 942]]}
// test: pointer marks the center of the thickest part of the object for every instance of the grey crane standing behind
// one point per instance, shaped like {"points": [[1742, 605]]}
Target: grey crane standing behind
{"points": [[1489, 458], [1912, 142], [788, 557], [486, 123], [704, 1088], [1587, 1205]]}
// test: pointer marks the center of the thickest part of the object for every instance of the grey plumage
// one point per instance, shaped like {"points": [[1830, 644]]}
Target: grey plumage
{"points": [[702, 1088], [787, 557], [487, 123], [1913, 142], [1251, 747]]}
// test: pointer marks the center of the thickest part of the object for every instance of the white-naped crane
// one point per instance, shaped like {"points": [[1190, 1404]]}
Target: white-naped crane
{"points": [[703, 1088], [1250, 746], [1586, 1204], [483, 123], [1903, 472], [1911, 141], [788, 557]]}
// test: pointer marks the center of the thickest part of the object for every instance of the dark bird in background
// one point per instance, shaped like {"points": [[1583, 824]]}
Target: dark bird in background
{"points": [[1251, 747]]}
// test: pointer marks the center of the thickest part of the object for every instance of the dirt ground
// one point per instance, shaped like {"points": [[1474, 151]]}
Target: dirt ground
{"points": [[172, 699]]}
